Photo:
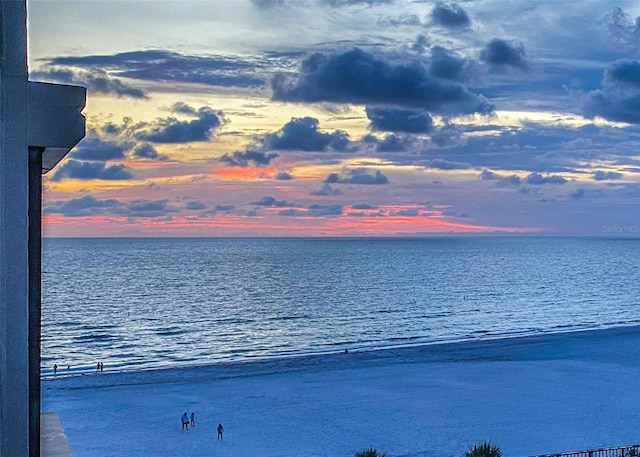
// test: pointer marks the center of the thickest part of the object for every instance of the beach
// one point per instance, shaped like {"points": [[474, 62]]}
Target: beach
{"points": [[529, 395]]}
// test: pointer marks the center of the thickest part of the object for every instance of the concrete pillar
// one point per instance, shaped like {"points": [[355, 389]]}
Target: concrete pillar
{"points": [[14, 232]]}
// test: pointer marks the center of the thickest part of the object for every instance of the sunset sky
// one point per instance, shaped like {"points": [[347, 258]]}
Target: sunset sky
{"points": [[345, 117]]}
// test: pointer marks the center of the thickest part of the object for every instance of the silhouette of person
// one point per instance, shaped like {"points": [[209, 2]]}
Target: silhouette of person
{"points": [[55, 368], [220, 430], [98, 367], [193, 419], [101, 366], [185, 421]]}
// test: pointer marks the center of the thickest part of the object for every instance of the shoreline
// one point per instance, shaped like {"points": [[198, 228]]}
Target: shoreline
{"points": [[500, 348]]}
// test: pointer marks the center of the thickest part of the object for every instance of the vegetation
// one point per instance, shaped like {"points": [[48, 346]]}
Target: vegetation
{"points": [[485, 449], [371, 452]]}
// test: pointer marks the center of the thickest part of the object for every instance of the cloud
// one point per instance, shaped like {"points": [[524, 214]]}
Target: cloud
{"points": [[499, 54], [421, 44], [147, 151], [363, 206], [622, 28], [619, 98], [445, 65], [271, 201], [77, 169], [172, 130], [606, 175], [145, 208], [283, 176], [195, 206], [96, 149], [245, 158], [356, 2], [450, 15], [538, 179], [502, 181], [95, 80], [314, 210], [442, 164], [357, 76], [357, 176], [326, 190], [390, 119], [161, 65], [577, 194], [90, 206], [78, 207], [303, 134]]}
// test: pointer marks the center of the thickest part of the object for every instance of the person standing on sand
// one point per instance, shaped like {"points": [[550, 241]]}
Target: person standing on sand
{"points": [[220, 430], [185, 421], [193, 419]]}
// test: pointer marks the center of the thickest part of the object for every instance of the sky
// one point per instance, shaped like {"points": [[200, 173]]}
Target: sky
{"points": [[345, 117]]}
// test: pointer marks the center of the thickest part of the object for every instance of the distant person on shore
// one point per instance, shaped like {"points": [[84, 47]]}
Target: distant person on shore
{"points": [[98, 367], [55, 369], [101, 366], [220, 430], [193, 419], [185, 421]]}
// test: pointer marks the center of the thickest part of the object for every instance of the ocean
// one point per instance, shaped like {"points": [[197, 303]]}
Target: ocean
{"points": [[148, 303]]}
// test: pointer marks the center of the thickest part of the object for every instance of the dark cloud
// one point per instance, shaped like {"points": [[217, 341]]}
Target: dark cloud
{"points": [[356, 2], [405, 19], [450, 15], [392, 143], [357, 76], [271, 201], [326, 190], [145, 208], [172, 130], [619, 98], [357, 176], [95, 80], [96, 149], [283, 176], [538, 179], [161, 65], [606, 175], [77, 169], [90, 206], [501, 180], [314, 210], [245, 158], [389, 119], [501, 53], [195, 206], [577, 194], [83, 206], [623, 28], [442, 164], [303, 134], [183, 108], [147, 151], [421, 44], [445, 65], [363, 206]]}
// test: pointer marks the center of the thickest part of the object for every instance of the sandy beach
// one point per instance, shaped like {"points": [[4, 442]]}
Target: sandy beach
{"points": [[530, 395]]}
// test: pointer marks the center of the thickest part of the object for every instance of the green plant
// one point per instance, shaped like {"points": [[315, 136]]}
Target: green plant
{"points": [[485, 449], [371, 452]]}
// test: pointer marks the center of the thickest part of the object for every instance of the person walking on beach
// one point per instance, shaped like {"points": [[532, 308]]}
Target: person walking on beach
{"points": [[193, 419], [55, 369], [185, 421], [220, 430]]}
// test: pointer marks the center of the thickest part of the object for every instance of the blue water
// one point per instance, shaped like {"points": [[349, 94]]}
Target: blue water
{"points": [[151, 303]]}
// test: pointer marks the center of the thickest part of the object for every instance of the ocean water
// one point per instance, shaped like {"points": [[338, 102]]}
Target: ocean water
{"points": [[139, 304]]}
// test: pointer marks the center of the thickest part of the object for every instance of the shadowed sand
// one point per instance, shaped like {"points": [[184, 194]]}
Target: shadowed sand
{"points": [[530, 395]]}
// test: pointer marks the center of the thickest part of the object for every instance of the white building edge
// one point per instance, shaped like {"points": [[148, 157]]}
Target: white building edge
{"points": [[39, 124]]}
